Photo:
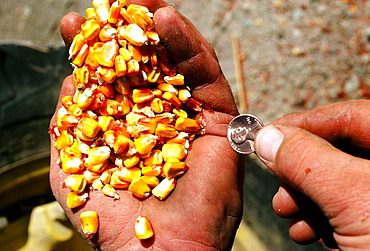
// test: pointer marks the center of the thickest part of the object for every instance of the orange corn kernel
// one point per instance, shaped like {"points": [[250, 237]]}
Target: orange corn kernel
{"points": [[81, 56], [143, 228], [178, 79], [164, 188], [80, 77], [151, 181], [156, 105], [76, 199], [130, 161], [105, 123], [120, 66], [101, 8], [71, 165], [139, 188], [105, 177], [172, 98], [150, 124], [96, 168], [142, 19], [142, 95], [194, 105], [174, 169], [167, 88], [89, 223], [184, 95], [129, 174], [68, 120], [145, 143], [77, 44], [84, 99], [109, 191], [90, 13], [80, 147], [106, 75], [187, 124], [97, 101], [98, 155], [117, 183], [122, 86], [108, 52], [90, 176], [76, 182], [173, 150], [125, 53], [107, 33], [107, 90], [97, 185], [120, 144], [67, 101], [153, 37], [110, 107], [180, 112], [63, 140], [114, 12], [166, 130], [89, 127], [90, 29], [152, 170], [135, 35], [155, 158]]}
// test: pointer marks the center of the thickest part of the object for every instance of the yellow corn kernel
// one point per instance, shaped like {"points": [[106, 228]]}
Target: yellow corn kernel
{"points": [[139, 188], [153, 37], [155, 158], [105, 122], [90, 29], [89, 223], [174, 169], [63, 140], [165, 118], [136, 52], [80, 77], [173, 150], [152, 170], [187, 124], [89, 127], [164, 188], [181, 138], [129, 174], [125, 53], [107, 33], [133, 117], [101, 8], [184, 95], [107, 53], [142, 95], [84, 98], [145, 143], [75, 110], [178, 79], [167, 88], [81, 56], [143, 228], [156, 105], [109, 138], [80, 147], [120, 144], [69, 152], [135, 35], [126, 104], [148, 124], [114, 12], [98, 155], [180, 112], [67, 101], [133, 67], [110, 107], [76, 199], [117, 183], [154, 74], [97, 168], [122, 86], [151, 181], [72, 165], [76, 182], [90, 13], [142, 19], [90, 176], [105, 177], [106, 75], [123, 12], [130, 161], [166, 130], [77, 44], [109, 191], [120, 66], [172, 98], [81, 136], [97, 184]]}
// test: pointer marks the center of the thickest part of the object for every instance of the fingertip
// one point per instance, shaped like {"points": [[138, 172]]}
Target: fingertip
{"points": [[267, 144], [301, 232], [70, 25], [284, 203]]}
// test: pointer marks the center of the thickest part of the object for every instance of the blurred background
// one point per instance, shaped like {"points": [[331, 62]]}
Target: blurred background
{"points": [[280, 56]]}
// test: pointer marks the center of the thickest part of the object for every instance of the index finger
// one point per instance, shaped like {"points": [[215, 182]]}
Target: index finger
{"points": [[346, 125]]}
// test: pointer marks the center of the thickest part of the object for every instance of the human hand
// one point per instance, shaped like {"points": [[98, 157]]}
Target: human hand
{"points": [[204, 210], [322, 156]]}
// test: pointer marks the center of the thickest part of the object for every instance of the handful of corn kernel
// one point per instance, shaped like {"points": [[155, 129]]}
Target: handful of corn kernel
{"points": [[127, 125]]}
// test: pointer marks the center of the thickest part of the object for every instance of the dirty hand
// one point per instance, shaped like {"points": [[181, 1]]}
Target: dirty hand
{"points": [[205, 209], [322, 156]]}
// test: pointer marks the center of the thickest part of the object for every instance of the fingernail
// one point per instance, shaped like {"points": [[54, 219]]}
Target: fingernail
{"points": [[268, 141]]}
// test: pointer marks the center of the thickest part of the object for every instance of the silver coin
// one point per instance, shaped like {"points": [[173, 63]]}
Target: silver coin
{"points": [[242, 131]]}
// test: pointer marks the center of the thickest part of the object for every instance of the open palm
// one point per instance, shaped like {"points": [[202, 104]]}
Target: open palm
{"points": [[205, 209]]}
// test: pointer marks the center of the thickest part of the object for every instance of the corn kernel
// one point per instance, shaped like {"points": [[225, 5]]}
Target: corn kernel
{"points": [[110, 107], [151, 181], [120, 66], [81, 56], [107, 33], [187, 124], [63, 140], [150, 124], [151, 170], [90, 13], [129, 174], [167, 88], [90, 29], [97, 168], [80, 147], [133, 67], [105, 123], [76, 183], [105, 177], [72, 165], [88, 127], [174, 169], [97, 184], [180, 112], [178, 79], [77, 44], [145, 143], [76, 199], [155, 158], [164, 188], [114, 12], [154, 74], [122, 86], [106, 75], [98, 155], [142, 95], [67, 101], [109, 191], [80, 77], [184, 95], [107, 53], [166, 130], [120, 144], [84, 98], [135, 35], [117, 183], [125, 53], [101, 8], [130, 161], [153, 37], [139, 188], [194, 105], [141, 18], [156, 105], [172, 98], [143, 228], [173, 150], [109, 138], [89, 223]]}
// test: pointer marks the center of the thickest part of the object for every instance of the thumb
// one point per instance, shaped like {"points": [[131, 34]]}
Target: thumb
{"points": [[337, 182]]}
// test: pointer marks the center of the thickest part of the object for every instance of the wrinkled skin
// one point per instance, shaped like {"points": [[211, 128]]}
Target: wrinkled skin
{"points": [[323, 161], [205, 209]]}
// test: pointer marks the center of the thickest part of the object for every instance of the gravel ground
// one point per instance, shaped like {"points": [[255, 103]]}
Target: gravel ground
{"points": [[296, 55]]}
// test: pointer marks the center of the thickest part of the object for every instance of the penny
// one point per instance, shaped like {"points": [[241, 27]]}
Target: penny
{"points": [[242, 131]]}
